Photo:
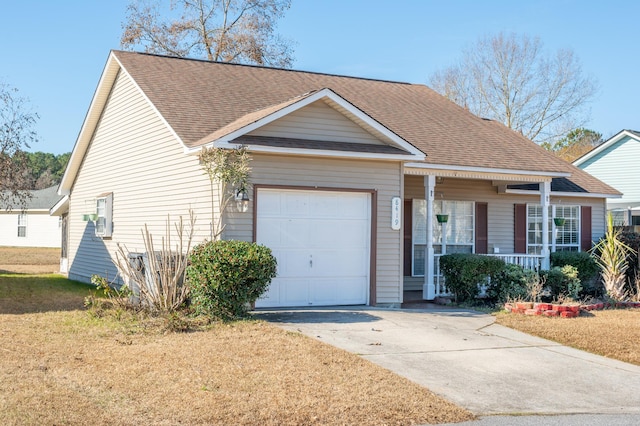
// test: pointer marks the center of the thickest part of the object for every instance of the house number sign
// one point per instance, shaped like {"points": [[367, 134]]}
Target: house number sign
{"points": [[396, 210]]}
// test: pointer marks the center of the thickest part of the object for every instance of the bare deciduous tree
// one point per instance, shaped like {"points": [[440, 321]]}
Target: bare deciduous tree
{"points": [[16, 133], [510, 79], [240, 31]]}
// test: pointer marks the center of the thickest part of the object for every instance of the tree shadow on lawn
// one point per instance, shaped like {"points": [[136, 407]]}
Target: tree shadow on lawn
{"points": [[24, 294]]}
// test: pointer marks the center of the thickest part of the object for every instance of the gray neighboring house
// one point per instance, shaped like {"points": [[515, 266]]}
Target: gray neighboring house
{"points": [[349, 177], [31, 225], [617, 162]]}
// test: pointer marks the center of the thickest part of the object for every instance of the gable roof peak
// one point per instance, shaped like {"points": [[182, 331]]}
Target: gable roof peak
{"points": [[606, 144]]}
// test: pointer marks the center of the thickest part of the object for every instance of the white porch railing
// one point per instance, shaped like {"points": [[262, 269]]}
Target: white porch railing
{"points": [[527, 261]]}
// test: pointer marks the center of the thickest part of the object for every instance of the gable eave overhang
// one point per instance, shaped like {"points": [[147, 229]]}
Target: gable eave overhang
{"points": [[613, 140], [227, 140], [487, 173], [92, 118], [89, 124], [62, 206]]}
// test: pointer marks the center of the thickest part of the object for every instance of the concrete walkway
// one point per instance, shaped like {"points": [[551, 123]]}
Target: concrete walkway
{"points": [[465, 357]]}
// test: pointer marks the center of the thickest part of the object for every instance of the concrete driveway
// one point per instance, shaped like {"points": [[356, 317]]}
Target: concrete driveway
{"points": [[465, 357]]}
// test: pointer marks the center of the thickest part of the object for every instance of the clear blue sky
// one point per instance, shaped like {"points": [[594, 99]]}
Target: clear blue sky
{"points": [[54, 51]]}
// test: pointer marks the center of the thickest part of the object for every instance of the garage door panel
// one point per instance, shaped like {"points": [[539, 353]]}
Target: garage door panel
{"points": [[335, 233], [323, 233], [271, 232], [294, 292], [321, 240], [339, 263], [271, 297], [355, 232], [295, 263], [284, 292], [346, 291], [354, 207], [270, 204], [325, 205], [291, 263], [296, 205]]}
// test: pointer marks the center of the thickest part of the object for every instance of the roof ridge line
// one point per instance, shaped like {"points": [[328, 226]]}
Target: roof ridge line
{"points": [[266, 67]]}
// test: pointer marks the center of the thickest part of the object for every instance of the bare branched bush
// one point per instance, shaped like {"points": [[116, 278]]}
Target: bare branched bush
{"points": [[535, 287], [160, 282]]}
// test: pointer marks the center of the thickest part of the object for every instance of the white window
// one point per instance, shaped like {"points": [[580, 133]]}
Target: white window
{"points": [[22, 225], [459, 230], [104, 208], [562, 237]]}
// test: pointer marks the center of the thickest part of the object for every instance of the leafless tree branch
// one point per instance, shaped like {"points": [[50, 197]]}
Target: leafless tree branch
{"points": [[508, 78]]}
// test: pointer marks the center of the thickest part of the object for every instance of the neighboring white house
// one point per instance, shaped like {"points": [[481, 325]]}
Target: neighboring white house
{"points": [[31, 225], [348, 176], [617, 163]]}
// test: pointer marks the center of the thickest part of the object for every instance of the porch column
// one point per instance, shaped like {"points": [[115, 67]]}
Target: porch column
{"points": [[545, 190], [429, 287]]}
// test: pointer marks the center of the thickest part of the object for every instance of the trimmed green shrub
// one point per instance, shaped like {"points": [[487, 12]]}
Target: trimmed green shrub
{"points": [[511, 283], [562, 281], [463, 272], [225, 277], [581, 260]]}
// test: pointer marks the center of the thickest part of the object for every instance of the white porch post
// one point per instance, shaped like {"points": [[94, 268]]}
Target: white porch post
{"points": [[545, 190], [429, 288]]}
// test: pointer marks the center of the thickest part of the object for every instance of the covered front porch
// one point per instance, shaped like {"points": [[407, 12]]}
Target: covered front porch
{"points": [[474, 211]]}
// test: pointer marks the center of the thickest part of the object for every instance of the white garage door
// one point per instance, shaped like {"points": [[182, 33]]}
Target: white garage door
{"points": [[321, 240]]}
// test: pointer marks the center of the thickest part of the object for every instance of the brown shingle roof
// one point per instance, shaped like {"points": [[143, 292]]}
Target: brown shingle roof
{"points": [[201, 98], [245, 120]]}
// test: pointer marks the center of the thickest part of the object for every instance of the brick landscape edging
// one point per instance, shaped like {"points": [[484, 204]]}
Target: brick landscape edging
{"points": [[563, 311]]}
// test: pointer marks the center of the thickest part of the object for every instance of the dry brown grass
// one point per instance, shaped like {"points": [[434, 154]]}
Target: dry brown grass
{"points": [[611, 333], [29, 260], [65, 366]]}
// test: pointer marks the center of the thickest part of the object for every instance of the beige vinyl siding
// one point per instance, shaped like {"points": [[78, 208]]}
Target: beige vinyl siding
{"points": [[500, 206], [133, 155], [384, 177], [317, 121]]}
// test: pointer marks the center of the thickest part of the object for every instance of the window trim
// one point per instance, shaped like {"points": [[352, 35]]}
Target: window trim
{"points": [[414, 204], [552, 228], [22, 224], [106, 215]]}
